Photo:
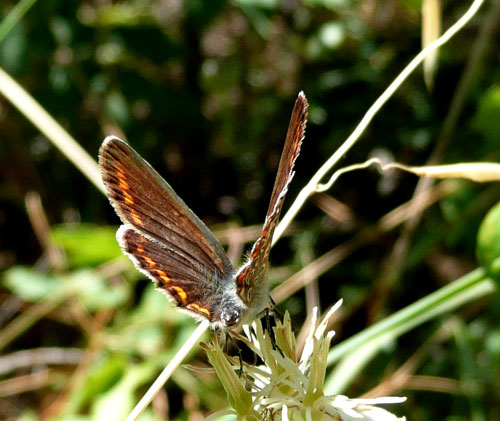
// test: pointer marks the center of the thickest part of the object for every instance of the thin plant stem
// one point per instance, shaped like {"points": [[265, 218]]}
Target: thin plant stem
{"points": [[168, 370], [35, 113]]}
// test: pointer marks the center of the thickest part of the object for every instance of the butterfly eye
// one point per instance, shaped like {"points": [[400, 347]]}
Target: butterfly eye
{"points": [[230, 317]]}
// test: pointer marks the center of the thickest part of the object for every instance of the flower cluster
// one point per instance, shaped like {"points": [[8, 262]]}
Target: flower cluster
{"points": [[287, 386]]}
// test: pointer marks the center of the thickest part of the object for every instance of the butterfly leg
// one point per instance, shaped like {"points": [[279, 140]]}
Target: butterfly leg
{"points": [[274, 307], [269, 314], [240, 359], [230, 338]]}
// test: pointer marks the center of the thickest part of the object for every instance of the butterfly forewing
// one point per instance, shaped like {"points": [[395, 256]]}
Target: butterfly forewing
{"points": [[146, 202], [251, 276], [161, 235]]}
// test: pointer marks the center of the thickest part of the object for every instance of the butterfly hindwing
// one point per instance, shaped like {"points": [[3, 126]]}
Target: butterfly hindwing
{"points": [[193, 289]]}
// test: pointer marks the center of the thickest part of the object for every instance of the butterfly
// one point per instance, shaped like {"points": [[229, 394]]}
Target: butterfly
{"points": [[169, 244]]}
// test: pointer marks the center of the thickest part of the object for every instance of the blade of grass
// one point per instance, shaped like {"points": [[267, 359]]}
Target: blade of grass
{"points": [[14, 16], [35, 113], [355, 352]]}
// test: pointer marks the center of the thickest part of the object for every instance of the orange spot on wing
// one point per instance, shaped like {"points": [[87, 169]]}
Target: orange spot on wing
{"points": [[181, 293], [243, 275], [256, 251], [135, 217], [123, 184], [140, 249], [200, 309], [163, 275], [124, 187], [129, 200], [150, 262]]}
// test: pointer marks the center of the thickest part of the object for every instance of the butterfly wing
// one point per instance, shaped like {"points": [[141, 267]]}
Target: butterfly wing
{"points": [[251, 276], [164, 238], [188, 287]]}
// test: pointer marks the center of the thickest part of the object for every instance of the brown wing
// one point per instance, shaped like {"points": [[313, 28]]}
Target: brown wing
{"points": [[189, 288], [147, 203], [251, 276]]}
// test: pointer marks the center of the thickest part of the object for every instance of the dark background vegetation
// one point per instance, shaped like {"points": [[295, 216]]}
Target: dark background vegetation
{"points": [[204, 90]]}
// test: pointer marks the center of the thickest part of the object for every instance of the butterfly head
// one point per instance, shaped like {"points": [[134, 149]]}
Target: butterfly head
{"points": [[236, 309], [232, 310], [230, 317]]}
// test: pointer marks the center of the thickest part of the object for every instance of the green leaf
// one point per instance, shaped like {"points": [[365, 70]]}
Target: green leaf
{"points": [[86, 244], [13, 48], [28, 415], [102, 376], [30, 284], [117, 403], [95, 292], [488, 243], [486, 120]]}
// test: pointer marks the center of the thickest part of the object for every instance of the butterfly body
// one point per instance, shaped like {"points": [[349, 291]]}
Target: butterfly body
{"points": [[168, 243]]}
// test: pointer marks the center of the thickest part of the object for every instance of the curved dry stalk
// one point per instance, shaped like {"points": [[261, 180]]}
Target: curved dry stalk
{"points": [[312, 185], [393, 263]]}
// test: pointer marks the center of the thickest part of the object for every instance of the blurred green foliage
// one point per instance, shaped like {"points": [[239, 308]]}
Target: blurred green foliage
{"points": [[204, 90], [85, 244]]}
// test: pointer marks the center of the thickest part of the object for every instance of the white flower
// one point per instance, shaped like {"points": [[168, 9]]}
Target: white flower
{"points": [[287, 387]]}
